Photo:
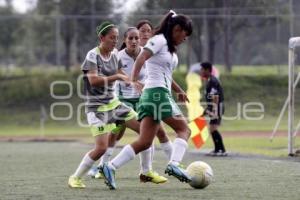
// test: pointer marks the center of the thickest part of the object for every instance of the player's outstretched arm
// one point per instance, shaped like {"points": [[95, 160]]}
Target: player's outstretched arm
{"points": [[181, 95]]}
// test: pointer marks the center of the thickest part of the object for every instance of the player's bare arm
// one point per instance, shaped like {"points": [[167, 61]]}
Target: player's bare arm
{"points": [[98, 81], [140, 60], [181, 95]]}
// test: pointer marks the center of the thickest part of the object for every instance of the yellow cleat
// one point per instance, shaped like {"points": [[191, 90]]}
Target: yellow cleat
{"points": [[98, 175], [75, 182], [153, 177]]}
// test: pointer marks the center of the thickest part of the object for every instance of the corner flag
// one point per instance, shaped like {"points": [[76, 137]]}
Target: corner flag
{"points": [[199, 131]]}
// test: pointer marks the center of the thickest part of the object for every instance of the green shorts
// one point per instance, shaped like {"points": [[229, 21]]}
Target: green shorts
{"points": [[157, 103], [132, 103], [110, 117]]}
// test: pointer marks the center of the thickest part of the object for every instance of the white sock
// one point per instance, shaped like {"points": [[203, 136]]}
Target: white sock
{"points": [[126, 154], [152, 152], [106, 156], [84, 166], [145, 160], [179, 148], [167, 147]]}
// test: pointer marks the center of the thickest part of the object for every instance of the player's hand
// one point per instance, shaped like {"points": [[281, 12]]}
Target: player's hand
{"points": [[212, 114], [124, 78], [138, 86], [182, 97]]}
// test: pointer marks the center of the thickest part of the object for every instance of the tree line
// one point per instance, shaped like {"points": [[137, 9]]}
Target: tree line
{"points": [[227, 32]]}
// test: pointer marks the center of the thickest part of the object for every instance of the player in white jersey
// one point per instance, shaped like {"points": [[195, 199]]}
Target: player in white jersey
{"points": [[156, 103]]}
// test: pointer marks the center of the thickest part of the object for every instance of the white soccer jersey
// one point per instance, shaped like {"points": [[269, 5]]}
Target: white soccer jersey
{"points": [[160, 66], [123, 90]]}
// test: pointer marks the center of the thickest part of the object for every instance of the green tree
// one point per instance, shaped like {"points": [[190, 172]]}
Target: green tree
{"points": [[216, 22], [76, 21], [8, 36]]}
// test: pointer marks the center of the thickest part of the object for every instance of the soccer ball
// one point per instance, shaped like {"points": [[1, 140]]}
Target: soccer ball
{"points": [[201, 174]]}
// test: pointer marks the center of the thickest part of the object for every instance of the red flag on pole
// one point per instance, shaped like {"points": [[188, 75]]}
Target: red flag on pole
{"points": [[199, 131]]}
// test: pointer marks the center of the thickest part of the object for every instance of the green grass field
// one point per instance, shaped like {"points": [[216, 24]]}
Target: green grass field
{"points": [[255, 169], [236, 70], [240, 136], [40, 170]]}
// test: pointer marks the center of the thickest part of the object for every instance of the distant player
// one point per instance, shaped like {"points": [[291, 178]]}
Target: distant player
{"points": [[215, 107]]}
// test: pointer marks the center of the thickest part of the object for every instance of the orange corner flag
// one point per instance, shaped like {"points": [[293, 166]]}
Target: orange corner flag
{"points": [[199, 131]]}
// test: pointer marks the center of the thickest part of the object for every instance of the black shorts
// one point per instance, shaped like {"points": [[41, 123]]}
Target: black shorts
{"points": [[215, 121], [218, 120]]}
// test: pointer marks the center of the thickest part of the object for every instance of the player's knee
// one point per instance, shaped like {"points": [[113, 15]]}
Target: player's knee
{"points": [[141, 145], [184, 131]]}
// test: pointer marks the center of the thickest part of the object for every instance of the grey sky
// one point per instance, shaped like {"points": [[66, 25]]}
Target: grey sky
{"points": [[21, 5]]}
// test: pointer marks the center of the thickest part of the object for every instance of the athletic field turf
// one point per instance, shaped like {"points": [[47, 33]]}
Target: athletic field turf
{"points": [[39, 170]]}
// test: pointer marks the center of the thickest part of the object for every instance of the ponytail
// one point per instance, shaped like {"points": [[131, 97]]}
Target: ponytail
{"points": [[123, 46]]}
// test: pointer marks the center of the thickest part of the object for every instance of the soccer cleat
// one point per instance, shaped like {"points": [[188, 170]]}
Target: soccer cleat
{"points": [[75, 182], [222, 153], [153, 177], [93, 171], [212, 153], [108, 175], [178, 172], [98, 175], [217, 153]]}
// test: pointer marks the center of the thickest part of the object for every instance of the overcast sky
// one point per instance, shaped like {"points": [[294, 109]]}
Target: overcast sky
{"points": [[124, 6], [21, 5], [121, 6]]}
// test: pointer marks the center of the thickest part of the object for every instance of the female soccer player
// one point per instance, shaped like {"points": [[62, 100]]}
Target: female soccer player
{"points": [[130, 96], [101, 69], [156, 103]]}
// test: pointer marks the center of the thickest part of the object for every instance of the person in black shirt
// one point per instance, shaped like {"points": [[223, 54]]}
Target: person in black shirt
{"points": [[215, 107]]}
